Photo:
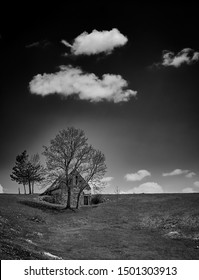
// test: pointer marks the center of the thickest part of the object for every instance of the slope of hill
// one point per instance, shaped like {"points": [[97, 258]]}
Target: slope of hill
{"points": [[159, 226]]}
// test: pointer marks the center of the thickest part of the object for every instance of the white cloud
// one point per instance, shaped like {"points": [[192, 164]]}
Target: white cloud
{"points": [[106, 179], [188, 190], [87, 86], [190, 174], [138, 176], [64, 42], [97, 42], [1, 189], [149, 187], [176, 172], [185, 56], [196, 184]]}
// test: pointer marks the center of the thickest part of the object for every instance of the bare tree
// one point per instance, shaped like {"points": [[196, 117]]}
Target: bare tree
{"points": [[93, 171], [117, 192], [67, 152], [37, 170]]}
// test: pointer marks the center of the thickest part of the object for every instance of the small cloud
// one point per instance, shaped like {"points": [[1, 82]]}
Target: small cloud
{"points": [[97, 42], [196, 184], [188, 190], [190, 174], [107, 179], [137, 176], [65, 43], [39, 44], [149, 187], [186, 56], [176, 172], [70, 81], [1, 189]]}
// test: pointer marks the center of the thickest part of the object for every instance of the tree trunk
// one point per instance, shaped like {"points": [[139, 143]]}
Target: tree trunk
{"points": [[19, 190], [33, 187], [78, 198], [68, 205], [29, 185], [24, 185]]}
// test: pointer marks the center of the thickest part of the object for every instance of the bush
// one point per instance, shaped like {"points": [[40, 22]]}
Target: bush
{"points": [[96, 199], [49, 199]]}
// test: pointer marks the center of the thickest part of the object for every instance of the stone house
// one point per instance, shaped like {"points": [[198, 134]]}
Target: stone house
{"points": [[57, 192]]}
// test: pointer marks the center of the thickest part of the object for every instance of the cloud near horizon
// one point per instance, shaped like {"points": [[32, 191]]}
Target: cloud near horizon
{"points": [[186, 56], [96, 42], [177, 172], [71, 81], [188, 190], [138, 176], [149, 187], [196, 184], [107, 179], [1, 189]]}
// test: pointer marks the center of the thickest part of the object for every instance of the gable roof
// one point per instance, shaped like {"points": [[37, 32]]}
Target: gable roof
{"points": [[58, 183]]}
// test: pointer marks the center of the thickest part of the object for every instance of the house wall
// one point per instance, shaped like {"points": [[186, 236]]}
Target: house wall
{"points": [[60, 195]]}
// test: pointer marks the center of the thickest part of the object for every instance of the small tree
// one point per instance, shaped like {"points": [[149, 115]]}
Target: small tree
{"points": [[117, 192], [19, 170], [37, 170]]}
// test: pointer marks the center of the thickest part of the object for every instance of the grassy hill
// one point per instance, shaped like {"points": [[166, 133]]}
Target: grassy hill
{"points": [[159, 226]]}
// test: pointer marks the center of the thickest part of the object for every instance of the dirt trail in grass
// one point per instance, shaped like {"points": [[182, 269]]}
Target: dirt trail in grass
{"points": [[130, 227]]}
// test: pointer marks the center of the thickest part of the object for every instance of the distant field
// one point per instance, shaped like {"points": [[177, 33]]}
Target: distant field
{"points": [[159, 226]]}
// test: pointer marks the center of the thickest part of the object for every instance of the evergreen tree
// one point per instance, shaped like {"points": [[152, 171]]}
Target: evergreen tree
{"points": [[26, 171]]}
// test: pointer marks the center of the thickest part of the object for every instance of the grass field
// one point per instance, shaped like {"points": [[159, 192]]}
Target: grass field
{"points": [[159, 226]]}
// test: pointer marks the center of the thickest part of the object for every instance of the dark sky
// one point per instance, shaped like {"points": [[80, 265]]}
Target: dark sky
{"points": [[152, 134]]}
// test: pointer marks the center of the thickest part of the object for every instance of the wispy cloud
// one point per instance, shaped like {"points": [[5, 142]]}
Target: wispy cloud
{"points": [[186, 56], [196, 184], [96, 42], [190, 174], [65, 43], [39, 44], [138, 176], [1, 189], [70, 81], [188, 190], [179, 172], [107, 179], [149, 187]]}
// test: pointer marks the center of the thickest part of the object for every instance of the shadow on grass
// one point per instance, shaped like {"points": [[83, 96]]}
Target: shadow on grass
{"points": [[42, 206]]}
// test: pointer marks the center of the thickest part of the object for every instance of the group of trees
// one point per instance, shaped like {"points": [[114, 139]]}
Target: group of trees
{"points": [[27, 171], [69, 151]]}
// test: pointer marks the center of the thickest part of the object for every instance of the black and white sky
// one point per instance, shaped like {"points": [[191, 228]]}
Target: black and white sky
{"points": [[127, 74]]}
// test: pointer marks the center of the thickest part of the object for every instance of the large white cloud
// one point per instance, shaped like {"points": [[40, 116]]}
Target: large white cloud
{"points": [[178, 172], [149, 187], [1, 189], [97, 42], [87, 86], [185, 56], [138, 176]]}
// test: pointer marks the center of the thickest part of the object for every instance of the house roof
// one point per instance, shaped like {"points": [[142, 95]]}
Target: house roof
{"points": [[58, 182]]}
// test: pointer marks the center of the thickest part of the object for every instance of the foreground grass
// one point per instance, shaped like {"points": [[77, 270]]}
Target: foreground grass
{"points": [[161, 226]]}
